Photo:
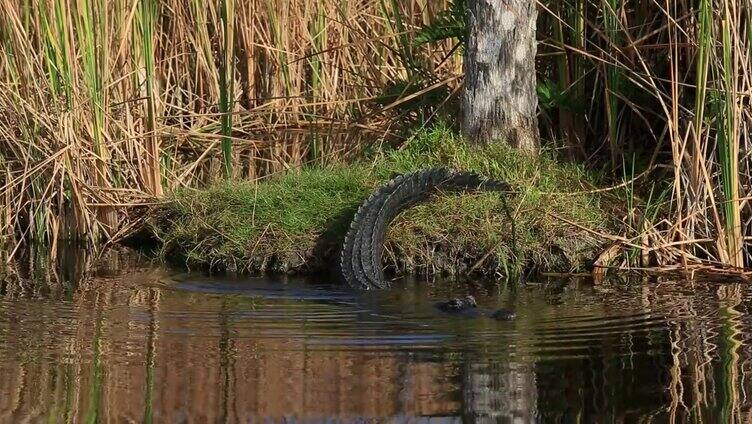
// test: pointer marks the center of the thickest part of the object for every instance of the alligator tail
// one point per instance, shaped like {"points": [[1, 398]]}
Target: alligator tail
{"points": [[360, 256]]}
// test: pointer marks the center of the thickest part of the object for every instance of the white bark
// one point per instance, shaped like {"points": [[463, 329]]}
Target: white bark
{"points": [[500, 100]]}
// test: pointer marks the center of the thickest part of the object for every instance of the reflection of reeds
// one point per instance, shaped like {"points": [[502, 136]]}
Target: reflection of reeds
{"points": [[128, 358], [151, 343], [707, 379], [731, 343], [94, 407], [124, 353]]}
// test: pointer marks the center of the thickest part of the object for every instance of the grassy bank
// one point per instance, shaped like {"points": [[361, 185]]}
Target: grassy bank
{"points": [[108, 104], [293, 223]]}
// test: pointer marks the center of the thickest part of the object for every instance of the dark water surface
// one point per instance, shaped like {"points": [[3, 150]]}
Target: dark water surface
{"points": [[120, 341]]}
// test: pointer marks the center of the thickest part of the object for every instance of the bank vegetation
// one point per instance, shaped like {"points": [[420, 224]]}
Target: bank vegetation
{"points": [[108, 105]]}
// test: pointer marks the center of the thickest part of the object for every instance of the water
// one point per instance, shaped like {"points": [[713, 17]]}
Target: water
{"points": [[120, 340]]}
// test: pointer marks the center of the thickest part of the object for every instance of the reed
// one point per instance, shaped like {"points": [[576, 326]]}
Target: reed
{"points": [[675, 108], [106, 104], [226, 80], [151, 170], [612, 76]]}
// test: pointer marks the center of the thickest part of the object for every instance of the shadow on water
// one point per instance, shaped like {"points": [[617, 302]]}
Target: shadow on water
{"points": [[119, 339]]}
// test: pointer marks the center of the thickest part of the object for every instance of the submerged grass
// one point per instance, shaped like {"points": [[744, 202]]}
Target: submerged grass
{"points": [[294, 223]]}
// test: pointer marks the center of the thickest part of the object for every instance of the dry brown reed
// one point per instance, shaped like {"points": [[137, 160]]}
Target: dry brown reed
{"points": [[662, 87], [107, 104]]}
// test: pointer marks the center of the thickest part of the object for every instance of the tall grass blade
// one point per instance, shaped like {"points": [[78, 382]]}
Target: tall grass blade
{"points": [[153, 174], [728, 145]]}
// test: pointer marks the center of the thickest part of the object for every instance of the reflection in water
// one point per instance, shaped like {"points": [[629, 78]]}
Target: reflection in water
{"points": [[119, 340]]}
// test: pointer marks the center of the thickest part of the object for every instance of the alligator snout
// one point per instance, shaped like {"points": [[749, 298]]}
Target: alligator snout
{"points": [[504, 315], [468, 305], [458, 304]]}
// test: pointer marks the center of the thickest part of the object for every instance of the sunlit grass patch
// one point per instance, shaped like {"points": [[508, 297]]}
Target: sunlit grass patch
{"points": [[256, 226], [294, 222], [457, 234]]}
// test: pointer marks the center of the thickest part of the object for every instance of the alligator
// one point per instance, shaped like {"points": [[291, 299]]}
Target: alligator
{"points": [[468, 306], [362, 249], [458, 304]]}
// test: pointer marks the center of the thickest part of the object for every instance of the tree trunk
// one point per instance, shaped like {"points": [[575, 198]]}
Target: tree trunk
{"points": [[500, 99]]}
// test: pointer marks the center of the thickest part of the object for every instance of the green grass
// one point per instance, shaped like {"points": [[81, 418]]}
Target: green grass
{"points": [[294, 222], [274, 224]]}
